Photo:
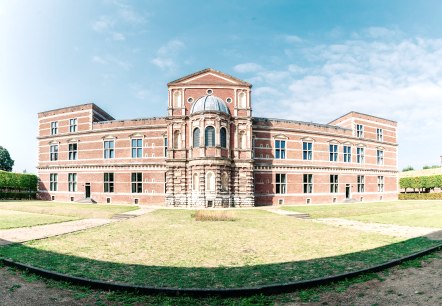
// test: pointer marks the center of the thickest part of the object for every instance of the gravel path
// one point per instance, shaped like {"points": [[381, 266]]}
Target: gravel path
{"points": [[385, 229]]}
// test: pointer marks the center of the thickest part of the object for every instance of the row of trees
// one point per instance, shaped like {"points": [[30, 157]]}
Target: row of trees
{"points": [[18, 186], [421, 183]]}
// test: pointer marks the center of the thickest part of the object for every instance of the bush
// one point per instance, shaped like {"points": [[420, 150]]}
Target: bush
{"points": [[214, 215], [16, 186], [420, 196]]}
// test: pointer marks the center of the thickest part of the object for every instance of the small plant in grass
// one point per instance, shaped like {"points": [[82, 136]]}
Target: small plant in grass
{"points": [[214, 215]]}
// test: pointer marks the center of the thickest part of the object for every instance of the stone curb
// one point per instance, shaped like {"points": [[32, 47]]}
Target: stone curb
{"points": [[223, 292]]}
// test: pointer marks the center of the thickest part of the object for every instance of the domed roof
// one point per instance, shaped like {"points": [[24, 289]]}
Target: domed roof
{"points": [[209, 103]]}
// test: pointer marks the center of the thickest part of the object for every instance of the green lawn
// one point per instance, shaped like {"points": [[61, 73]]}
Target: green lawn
{"points": [[413, 213], [14, 219], [67, 209], [170, 248]]}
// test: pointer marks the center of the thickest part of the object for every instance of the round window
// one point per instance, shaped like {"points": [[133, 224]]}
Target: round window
{"points": [[209, 91], [229, 100], [190, 99]]}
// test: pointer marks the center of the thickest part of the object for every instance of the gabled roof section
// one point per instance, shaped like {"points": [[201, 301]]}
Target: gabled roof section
{"points": [[354, 114], [209, 76]]}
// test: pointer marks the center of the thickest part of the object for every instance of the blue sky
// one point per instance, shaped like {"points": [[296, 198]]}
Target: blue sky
{"points": [[308, 60]]}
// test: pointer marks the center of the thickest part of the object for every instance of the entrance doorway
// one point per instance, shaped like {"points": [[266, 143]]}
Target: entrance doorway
{"points": [[87, 190], [347, 191]]}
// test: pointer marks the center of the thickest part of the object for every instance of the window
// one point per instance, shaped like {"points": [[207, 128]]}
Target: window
{"points": [[210, 136], [137, 148], [308, 183], [380, 184], [380, 157], [108, 182], [307, 151], [359, 130], [361, 183], [347, 154], [53, 181], [73, 151], [195, 181], [223, 137], [280, 149], [210, 181], [224, 181], [379, 134], [54, 152], [54, 128], [360, 155], [165, 146], [333, 152], [72, 125], [176, 139], [334, 183], [72, 182], [109, 149], [137, 182], [281, 183], [196, 138]]}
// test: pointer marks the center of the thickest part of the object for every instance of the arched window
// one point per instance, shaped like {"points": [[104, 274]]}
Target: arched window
{"points": [[176, 139], [223, 137], [195, 182], [177, 98], [242, 140], [242, 100], [224, 181], [210, 136], [210, 181], [196, 138]]}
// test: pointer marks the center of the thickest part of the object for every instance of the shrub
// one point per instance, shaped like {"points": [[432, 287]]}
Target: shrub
{"points": [[420, 196], [17, 186], [214, 215]]}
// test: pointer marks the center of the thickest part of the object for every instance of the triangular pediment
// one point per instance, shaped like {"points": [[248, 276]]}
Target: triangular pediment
{"points": [[209, 77]]}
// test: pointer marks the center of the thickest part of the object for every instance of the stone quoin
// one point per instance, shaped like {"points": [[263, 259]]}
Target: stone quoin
{"points": [[209, 151]]}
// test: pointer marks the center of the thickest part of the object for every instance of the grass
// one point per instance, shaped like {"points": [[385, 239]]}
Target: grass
{"points": [[67, 209], [13, 219], [410, 213], [170, 248]]}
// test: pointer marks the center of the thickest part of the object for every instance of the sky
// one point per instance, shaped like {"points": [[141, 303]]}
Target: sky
{"points": [[307, 60]]}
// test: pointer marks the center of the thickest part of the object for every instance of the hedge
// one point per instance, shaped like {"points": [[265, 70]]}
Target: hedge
{"points": [[421, 196], [18, 186], [421, 182]]}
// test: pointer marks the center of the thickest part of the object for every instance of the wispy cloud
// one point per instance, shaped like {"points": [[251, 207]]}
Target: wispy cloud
{"points": [[167, 55], [293, 39], [247, 67], [112, 61], [103, 24]]}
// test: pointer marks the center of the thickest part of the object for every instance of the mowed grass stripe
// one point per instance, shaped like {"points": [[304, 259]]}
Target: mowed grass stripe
{"points": [[15, 219]]}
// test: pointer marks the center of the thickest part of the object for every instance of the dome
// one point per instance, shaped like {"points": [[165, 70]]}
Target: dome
{"points": [[209, 104]]}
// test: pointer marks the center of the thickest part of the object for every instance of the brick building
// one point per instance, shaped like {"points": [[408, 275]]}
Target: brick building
{"points": [[210, 152]]}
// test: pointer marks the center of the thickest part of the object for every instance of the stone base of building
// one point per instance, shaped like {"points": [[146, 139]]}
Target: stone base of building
{"points": [[215, 201]]}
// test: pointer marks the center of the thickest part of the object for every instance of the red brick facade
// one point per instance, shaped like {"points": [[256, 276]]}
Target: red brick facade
{"points": [[210, 151]]}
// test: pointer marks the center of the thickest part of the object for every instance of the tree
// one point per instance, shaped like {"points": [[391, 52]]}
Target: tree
{"points": [[408, 168], [6, 163]]}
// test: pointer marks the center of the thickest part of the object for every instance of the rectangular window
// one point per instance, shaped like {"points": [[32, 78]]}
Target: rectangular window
{"points": [[137, 182], [54, 128], [361, 183], [307, 151], [73, 151], [54, 152], [347, 154], [280, 149], [72, 182], [360, 155], [334, 183], [379, 134], [333, 152], [308, 183], [109, 149], [72, 125], [359, 130], [108, 182], [380, 184], [53, 181], [165, 146], [137, 148], [281, 183], [380, 157]]}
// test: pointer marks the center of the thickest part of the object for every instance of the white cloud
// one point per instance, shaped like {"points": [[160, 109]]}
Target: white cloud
{"points": [[391, 77], [167, 55], [103, 24], [111, 60], [118, 36], [247, 67], [293, 39]]}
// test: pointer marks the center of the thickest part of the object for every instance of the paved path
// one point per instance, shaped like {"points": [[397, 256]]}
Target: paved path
{"points": [[284, 212], [44, 231]]}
